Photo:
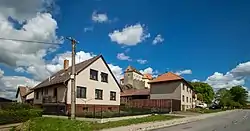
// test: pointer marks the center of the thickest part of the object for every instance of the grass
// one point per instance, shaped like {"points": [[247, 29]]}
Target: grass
{"points": [[204, 111], [56, 124]]}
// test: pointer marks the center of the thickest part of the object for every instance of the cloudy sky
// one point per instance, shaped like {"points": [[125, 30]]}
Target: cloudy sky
{"points": [[204, 40]]}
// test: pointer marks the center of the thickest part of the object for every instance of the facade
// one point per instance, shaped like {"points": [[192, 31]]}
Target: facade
{"points": [[22, 92], [96, 88], [172, 86], [135, 78]]}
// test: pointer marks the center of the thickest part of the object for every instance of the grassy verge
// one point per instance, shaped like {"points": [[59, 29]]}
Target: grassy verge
{"points": [[204, 111], [53, 124]]}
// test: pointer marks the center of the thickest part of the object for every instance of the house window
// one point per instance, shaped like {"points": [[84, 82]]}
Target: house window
{"points": [[81, 92], [112, 95], [37, 95], [183, 86], [187, 88], [55, 92], [93, 74], [187, 99], [98, 94], [85, 108], [183, 98], [190, 100], [104, 77]]}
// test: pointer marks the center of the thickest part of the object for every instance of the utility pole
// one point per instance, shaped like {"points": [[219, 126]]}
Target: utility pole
{"points": [[73, 78]]}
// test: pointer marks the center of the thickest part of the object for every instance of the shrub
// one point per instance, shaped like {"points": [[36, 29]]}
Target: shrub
{"points": [[14, 116], [17, 106]]}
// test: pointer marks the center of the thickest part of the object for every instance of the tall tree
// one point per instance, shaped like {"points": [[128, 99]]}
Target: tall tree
{"points": [[239, 94], [205, 90], [224, 97]]}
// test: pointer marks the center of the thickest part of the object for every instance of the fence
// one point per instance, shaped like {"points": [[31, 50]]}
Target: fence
{"points": [[128, 108]]}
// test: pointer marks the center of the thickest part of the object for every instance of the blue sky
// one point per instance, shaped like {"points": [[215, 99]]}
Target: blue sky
{"points": [[205, 40]]}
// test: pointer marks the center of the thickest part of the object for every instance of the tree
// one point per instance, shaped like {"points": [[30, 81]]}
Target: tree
{"points": [[224, 98], [239, 94], [205, 90]]}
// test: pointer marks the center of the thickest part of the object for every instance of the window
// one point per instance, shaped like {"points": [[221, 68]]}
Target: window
{"points": [[187, 99], [183, 98], [46, 92], [190, 100], [112, 95], [187, 88], [81, 92], [85, 108], [98, 94], [183, 86], [37, 95], [93, 74], [55, 92], [104, 77]]}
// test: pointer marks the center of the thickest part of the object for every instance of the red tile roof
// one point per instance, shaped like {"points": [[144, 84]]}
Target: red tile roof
{"points": [[166, 77], [134, 92], [147, 76]]}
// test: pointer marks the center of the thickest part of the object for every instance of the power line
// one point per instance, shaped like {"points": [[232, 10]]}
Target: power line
{"points": [[30, 41]]}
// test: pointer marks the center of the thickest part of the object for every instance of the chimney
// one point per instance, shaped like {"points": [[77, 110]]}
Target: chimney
{"points": [[66, 64]]}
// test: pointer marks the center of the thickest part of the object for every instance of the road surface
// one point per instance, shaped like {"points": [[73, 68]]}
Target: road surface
{"points": [[235, 121]]}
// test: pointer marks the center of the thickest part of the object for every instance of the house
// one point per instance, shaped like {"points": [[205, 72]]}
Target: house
{"points": [[172, 86], [96, 88], [135, 78], [21, 93]]}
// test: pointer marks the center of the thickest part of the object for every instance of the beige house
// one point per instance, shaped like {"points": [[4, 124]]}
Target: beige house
{"points": [[96, 88], [172, 86], [24, 94]]}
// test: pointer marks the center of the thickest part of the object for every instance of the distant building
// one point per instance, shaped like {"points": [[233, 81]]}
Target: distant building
{"points": [[135, 78], [24, 94]]}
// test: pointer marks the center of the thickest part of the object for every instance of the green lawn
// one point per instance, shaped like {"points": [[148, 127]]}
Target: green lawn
{"points": [[55, 124], [204, 111]]}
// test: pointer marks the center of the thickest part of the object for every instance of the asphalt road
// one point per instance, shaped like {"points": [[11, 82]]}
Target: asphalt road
{"points": [[235, 121]]}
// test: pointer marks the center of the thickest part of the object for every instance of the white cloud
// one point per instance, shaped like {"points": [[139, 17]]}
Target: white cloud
{"points": [[117, 71], [150, 70], [9, 84], [122, 56], [158, 39], [195, 80], [88, 29], [130, 35], [141, 61], [99, 17], [234, 77], [19, 69], [184, 72]]}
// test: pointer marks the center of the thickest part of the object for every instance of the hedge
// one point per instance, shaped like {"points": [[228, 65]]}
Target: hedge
{"points": [[18, 112], [16, 116]]}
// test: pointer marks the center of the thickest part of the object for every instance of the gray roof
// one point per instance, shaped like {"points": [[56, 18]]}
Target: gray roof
{"points": [[64, 75]]}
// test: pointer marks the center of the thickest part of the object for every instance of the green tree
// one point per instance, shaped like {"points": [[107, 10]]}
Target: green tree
{"points": [[223, 96], [205, 90], [239, 94]]}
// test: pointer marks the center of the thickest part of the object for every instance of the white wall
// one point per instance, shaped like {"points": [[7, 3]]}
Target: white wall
{"points": [[19, 99], [146, 83], [137, 76], [83, 79], [186, 94], [30, 96]]}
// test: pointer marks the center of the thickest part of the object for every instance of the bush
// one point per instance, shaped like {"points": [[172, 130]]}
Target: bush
{"points": [[15, 116], [16, 106]]}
